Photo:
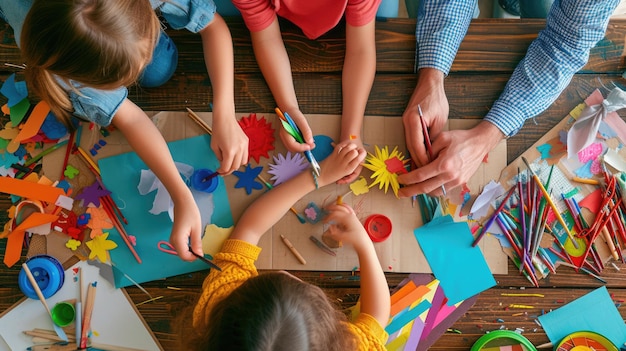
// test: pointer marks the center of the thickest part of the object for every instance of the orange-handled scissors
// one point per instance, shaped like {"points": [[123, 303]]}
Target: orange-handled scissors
{"points": [[165, 246]]}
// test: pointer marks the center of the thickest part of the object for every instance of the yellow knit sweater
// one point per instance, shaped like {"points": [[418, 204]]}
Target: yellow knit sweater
{"points": [[237, 262]]}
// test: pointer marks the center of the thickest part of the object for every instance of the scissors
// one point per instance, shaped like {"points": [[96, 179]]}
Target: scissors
{"points": [[292, 128], [165, 246]]}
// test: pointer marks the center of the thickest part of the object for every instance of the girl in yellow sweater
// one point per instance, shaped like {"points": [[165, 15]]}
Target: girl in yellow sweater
{"points": [[242, 310]]}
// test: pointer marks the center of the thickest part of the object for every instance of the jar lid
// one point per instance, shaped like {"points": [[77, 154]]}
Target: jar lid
{"points": [[378, 227]]}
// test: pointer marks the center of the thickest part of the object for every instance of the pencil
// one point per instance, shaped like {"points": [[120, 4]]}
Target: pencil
{"points": [[91, 296], [586, 180], [293, 249], [79, 306], [429, 146], [555, 210], [493, 217], [207, 129]]}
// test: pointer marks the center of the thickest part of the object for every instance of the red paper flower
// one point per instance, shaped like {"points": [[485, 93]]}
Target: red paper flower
{"points": [[260, 134]]}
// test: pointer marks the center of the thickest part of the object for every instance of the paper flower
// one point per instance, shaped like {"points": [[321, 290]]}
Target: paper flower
{"points": [[99, 247], [260, 136], [287, 167], [72, 244], [386, 167]]}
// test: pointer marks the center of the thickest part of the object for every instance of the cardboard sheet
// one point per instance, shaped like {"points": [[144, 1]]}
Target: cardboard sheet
{"points": [[399, 253]]}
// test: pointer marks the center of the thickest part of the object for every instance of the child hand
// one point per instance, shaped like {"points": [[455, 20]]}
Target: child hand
{"points": [[357, 171], [187, 230], [342, 162], [345, 226], [292, 144], [230, 145]]}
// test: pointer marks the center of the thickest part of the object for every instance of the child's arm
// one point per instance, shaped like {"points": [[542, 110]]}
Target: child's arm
{"points": [[148, 143], [358, 73], [273, 60], [229, 142], [272, 206], [346, 227]]}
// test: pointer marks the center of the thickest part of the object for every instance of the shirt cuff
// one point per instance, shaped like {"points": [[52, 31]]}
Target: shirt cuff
{"points": [[509, 119]]}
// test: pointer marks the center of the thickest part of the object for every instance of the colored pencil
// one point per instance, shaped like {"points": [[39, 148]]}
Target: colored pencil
{"points": [[89, 304], [551, 203], [293, 249], [493, 216], [427, 141]]}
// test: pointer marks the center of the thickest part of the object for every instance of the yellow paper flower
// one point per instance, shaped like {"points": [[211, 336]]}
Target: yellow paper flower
{"points": [[99, 247], [72, 244], [378, 163], [359, 186]]}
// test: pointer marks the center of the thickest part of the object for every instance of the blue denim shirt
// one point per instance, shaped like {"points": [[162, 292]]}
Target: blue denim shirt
{"points": [[96, 105], [573, 27]]}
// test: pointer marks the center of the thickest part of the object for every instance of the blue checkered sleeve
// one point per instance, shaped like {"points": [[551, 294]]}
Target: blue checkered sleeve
{"points": [[573, 27], [441, 26]]}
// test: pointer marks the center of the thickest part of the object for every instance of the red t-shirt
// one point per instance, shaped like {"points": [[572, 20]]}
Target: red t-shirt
{"points": [[314, 17]]}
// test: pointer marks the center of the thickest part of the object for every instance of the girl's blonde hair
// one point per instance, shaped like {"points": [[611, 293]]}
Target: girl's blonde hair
{"points": [[272, 312], [103, 44]]}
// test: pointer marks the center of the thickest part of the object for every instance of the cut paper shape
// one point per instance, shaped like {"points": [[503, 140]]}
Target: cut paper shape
{"points": [[287, 166], [52, 128], [70, 172], [14, 91], [149, 182], [99, 247], [394, 165], [459, 266], [32, 125], [260, 136], [19, 111], [30, 190], [594, 312], [583, 132], [377, 163], [323, 147], [544, 150], [214, 238], [313, 213], [120, 174], [359, 186], [247, 178], [90, 195], [590, 153], [72, 244], [613, 159], [584, 171], [482, 204], [9, 132]]}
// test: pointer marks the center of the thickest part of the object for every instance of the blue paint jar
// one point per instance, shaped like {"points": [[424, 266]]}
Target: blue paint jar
{"points": [[199, 183], [47, 271]]}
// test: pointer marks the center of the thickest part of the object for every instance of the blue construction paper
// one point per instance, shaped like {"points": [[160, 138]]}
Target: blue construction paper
{"points": [[405, 317], [323, 147], [460, 268], [14, 91], [120, 175], [595, 312]]}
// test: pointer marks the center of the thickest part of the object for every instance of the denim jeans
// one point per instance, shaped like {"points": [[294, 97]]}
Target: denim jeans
{"points": [[163, 64]]}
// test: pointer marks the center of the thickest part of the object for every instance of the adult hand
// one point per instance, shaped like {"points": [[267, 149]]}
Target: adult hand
{"points": [[230, 145], [459, 154], [430, 95], [187, 229], [292, 144]]}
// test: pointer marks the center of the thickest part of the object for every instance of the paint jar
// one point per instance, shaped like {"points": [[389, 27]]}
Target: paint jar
{"points": [[503, 340], [63, 314], [48, 273], [200, 182], [378, 227]]}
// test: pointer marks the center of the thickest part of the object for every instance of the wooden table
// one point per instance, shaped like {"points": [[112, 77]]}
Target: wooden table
{"points": [[485, 61]]}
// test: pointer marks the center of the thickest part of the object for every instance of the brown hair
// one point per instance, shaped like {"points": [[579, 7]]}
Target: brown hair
{"points": [[274, 311], [103, 44]]}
